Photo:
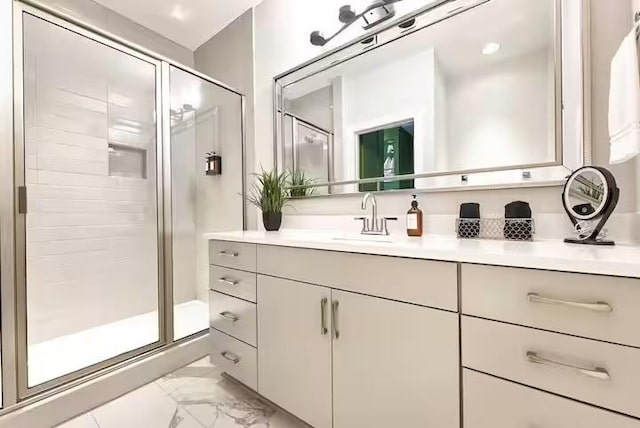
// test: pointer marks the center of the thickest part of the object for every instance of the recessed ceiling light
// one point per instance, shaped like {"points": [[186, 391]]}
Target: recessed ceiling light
{"points": [[491, 48], [178, 12]]}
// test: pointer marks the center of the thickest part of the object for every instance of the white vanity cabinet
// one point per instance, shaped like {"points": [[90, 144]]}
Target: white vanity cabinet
{"points": [[348, 339], [232, 310], [394, 364], [490, 402], [294, 348], [551, 349], [343, 340], [390, 363], [326, 354]]}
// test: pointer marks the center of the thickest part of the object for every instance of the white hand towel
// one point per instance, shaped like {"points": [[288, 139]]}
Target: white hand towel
{"points": [[624, 101]]}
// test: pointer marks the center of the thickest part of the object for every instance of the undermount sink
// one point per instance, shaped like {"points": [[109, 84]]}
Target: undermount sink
{"points": [[365, 238]]}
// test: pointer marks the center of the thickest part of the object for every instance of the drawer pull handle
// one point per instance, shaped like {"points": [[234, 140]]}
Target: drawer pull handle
{"points": [[228, 281], [230, 356], [323, 316], [228, 254], [594, 372], [597, 306], [230, 316]]}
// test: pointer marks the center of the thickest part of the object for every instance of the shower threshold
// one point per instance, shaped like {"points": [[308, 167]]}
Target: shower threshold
{"points": [[57, 357]]}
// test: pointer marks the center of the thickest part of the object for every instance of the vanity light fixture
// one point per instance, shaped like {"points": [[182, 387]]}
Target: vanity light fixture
{"points": [[491, 48], [375, 13]]}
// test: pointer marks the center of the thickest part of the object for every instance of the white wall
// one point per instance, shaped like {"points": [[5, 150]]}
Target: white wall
{"points": [[441, 134], [495, 117], [281, 44], [635, 4], [95, 14], [228, 57]]}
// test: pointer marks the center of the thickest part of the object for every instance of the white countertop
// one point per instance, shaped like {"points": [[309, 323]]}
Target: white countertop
{"points": [[619, 260]]}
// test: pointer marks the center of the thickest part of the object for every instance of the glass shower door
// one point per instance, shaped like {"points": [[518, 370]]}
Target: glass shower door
{"points": [[92, 230], [205, 118]]}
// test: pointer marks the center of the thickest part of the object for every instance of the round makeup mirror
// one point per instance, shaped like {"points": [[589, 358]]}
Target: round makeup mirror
{"points": [[589, 198]]}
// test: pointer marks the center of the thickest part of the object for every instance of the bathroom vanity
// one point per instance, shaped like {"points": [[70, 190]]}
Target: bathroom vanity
{"points": [[356, 332]]}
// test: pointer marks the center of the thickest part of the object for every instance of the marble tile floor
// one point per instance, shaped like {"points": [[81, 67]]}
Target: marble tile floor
{"points": [[195, 396]]}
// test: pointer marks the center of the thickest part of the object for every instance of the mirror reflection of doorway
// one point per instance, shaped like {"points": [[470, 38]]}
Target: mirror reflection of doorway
{"points": [[386, 152]]}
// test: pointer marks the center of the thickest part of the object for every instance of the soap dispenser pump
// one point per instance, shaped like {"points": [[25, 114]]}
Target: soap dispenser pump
{"points": [[414, 219]]}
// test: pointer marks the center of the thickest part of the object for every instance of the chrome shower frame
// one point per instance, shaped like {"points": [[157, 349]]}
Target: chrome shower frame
{"points": [[16, 392]]}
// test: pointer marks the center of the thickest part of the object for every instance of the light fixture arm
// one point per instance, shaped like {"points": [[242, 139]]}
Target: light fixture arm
{"points": [[317, 39]]}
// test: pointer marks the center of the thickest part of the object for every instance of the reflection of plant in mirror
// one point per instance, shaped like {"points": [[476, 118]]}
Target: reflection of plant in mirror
{"points": [[269, 192], [300, 185]]}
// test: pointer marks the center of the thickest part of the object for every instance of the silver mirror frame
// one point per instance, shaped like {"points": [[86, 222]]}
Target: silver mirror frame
{"points": [[573, 114]]}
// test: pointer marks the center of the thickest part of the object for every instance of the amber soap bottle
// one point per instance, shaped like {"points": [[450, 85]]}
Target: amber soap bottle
{"points": [[414, 219]]}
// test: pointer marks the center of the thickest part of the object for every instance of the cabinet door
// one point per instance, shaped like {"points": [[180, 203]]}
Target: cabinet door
{"points": [[294, 348], [394, 364]]}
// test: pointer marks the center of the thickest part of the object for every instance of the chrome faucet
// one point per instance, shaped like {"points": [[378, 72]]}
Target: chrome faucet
{"points": [[373, 225]]}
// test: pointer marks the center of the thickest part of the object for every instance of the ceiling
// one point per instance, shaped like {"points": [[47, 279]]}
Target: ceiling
{"points": [[187, 22]]}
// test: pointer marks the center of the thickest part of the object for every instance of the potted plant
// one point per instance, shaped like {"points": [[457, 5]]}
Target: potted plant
{"points": [[300, 185], [270, 193]]}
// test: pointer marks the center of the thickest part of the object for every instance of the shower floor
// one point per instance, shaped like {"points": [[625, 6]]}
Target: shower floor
{"points": [[58, 357]]}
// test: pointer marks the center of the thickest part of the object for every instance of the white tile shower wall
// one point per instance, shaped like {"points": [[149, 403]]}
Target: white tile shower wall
{"points": [[91, 240], [95, 14], [279, 45]]}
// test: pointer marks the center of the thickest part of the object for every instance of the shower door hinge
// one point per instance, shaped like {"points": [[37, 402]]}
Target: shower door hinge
{"points": [[22, 200]]}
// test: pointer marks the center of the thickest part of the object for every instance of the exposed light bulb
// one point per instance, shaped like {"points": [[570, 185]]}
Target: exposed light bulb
{"points": [[491, 48]]}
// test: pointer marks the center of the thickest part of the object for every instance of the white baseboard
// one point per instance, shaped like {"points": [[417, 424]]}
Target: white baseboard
{"points": [[85, 397]]}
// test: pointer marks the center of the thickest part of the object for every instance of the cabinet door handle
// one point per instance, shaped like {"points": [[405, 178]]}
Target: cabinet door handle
{"points": [[226, 253], [230, 356], [593, 306], [230, 316], [323, 316], [334, 318], [227, 281], [594, 372]]}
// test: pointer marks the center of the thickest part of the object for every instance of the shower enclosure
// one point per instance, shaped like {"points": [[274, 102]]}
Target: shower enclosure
{"points": [[108, 202]]}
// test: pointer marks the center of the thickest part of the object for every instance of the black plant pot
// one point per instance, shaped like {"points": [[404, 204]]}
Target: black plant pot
{"points": [[272, 221]]}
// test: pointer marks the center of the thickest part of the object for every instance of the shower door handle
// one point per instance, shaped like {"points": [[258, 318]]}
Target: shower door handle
{"points": [[22, 200]]}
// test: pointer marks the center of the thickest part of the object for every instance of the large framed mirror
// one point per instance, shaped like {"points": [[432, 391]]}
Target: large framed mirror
{"points": [[464, 94]]}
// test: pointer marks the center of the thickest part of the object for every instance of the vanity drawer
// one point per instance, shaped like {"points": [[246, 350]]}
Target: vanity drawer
{"points": [[496, 403], [235, 358], [599, 373], [236, 283], [423, 282], [235, 255], [233, 316], [599, 307]]}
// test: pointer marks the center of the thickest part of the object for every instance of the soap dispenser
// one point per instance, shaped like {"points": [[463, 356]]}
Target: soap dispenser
{"points": [[414, 219]]}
